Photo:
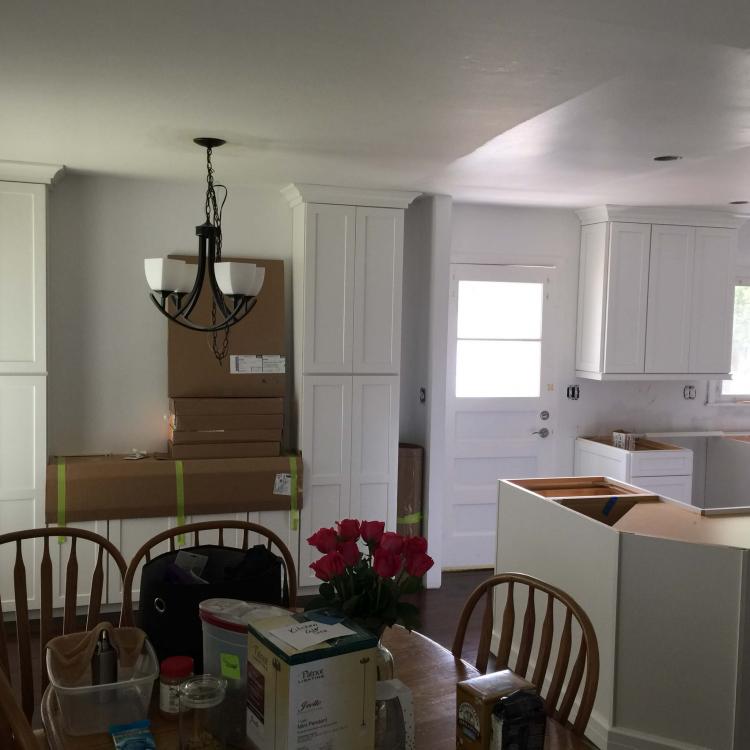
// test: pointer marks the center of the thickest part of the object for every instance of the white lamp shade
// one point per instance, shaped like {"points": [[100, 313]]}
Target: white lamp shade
{"points": [[168, 275], [260, 276], [237, 278]]}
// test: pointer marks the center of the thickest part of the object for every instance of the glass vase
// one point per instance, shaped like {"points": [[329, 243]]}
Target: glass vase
{"points": [[384, 661]]}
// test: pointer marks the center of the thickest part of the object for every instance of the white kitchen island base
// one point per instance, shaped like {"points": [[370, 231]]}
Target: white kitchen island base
{"points": [[670, 614]]}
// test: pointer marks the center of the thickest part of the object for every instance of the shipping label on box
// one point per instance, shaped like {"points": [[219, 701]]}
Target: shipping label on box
{"points": [[319, 696], [257, 364]]}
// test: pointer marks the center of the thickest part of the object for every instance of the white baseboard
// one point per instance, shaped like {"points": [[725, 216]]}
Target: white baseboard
{"points": [[629, 739]]}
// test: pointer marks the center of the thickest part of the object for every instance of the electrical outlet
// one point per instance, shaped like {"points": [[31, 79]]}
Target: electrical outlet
{"points": [[573, 392], [688, 392]]}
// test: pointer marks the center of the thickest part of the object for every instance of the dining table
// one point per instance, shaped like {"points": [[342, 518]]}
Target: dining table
{"points": [[425, 667]]}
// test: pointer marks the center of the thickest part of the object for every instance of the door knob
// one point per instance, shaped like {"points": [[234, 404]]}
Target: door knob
{"points": [[543, 433]]}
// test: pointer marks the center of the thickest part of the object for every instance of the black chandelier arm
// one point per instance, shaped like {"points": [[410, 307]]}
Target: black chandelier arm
{"points": [[243, 306], [215, 289], [200, 274]]}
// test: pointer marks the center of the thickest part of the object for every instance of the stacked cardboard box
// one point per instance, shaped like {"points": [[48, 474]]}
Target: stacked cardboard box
{"points": [[225, 427]]}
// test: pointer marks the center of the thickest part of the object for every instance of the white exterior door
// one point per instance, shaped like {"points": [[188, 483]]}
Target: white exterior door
{"points": [[500, 423]]}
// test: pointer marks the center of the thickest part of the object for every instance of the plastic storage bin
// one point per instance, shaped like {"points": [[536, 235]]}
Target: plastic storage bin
{"points": [[225, 652], [89, 709]]}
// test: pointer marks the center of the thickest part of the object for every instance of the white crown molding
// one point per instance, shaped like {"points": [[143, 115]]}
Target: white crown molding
{"points": [[26, 171], [342, 196], [692, 217]]}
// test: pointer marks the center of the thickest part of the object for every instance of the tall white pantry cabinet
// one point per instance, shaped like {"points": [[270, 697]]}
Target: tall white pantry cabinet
{"points": [[347, 282], [23, 359]]}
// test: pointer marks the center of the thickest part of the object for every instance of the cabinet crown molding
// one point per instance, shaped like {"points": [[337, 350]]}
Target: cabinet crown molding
{"points": [[692, 217], [26, 171], [297, 193]]}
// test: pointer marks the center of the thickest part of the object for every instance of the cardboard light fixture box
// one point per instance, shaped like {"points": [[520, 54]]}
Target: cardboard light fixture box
{"points": [[211, 407], [192, 368], [224, 450], [316, 697], [195, 437], [227, 422], [102, 488]]}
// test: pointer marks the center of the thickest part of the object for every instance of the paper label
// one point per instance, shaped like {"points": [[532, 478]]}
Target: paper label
{"points": [[305, 634], [230, 666], [169, 698], [257, 364], [282, 484], [245, 364]]}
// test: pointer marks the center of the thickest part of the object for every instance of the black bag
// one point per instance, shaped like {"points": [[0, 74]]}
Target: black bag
{"points": [[169, 607], [524, 721]]}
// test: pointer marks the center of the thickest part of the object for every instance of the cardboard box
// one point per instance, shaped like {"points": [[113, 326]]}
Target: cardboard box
{"points": [[317, 697], [225, 450], [227, 422], [192, 368], [475, 699], [101, 488], [195, 437], [214, 406]]}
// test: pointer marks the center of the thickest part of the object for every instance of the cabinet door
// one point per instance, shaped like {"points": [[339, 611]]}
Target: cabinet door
{"points": [[712, 301], [326, 457], [375, 401], [677, 487], [23, 454], [669, 299], [328, 289], [22, 278], [378, 271], [591, 297], [128, 535], [627, 297]]}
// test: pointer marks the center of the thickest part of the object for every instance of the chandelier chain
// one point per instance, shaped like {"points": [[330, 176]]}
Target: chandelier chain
{"points": [[213, 216]]}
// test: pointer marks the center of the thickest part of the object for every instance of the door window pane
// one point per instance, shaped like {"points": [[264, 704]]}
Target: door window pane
{"points": [[499, 310], [499, 332], [497, 369]]}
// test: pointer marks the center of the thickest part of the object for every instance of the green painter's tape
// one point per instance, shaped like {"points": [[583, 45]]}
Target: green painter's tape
{"points": [[61, 489], [294, 516], [180, 488], [413, 518]]}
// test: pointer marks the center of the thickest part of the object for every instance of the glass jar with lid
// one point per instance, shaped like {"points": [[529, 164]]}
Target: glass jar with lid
{"points": [[202, 723]]}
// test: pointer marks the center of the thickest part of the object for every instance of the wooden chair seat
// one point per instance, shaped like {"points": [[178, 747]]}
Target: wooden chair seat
{"points": [[558, 704]]}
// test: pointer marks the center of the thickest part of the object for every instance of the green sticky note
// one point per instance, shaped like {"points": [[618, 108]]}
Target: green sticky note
{"points": [[230, 666]]}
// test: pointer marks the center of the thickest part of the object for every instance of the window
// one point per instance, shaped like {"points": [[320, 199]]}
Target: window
{"points": [[499, 339], [737, 389]]}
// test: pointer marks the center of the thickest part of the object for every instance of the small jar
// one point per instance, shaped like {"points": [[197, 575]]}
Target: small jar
{"points": [[203, 723], [172, 673]]}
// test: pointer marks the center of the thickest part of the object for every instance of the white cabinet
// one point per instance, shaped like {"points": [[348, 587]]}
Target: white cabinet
{"points": [[655, 299], [22, 476], [669, 291], [613, 290], [375, 403], [347, 286], [661, 468], [22, 278]]}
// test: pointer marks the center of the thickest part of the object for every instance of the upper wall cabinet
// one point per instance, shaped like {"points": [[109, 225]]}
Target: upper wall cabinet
{"points": [[347, 278], [22, 278], [655, 293]]}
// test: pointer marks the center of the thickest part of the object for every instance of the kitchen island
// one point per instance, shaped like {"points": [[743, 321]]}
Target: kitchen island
{"points": [[668, 592]]}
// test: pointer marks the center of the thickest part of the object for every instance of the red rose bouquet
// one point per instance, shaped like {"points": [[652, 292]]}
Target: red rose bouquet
{"points": [[366, 571]]}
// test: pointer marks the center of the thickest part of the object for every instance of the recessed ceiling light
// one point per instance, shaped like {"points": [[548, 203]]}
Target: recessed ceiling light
{"points": [[737, 203], [667, 157]]}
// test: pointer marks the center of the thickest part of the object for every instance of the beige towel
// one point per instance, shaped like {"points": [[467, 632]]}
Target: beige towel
{"points": [[70, 655]]}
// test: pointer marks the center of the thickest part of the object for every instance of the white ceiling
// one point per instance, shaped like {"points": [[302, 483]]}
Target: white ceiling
{"points": [[525, 101]]}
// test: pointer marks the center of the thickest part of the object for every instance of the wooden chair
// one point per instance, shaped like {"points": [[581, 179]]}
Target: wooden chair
{"points": [[15, 730], [69, 624], [588, 651], [195, 529]]}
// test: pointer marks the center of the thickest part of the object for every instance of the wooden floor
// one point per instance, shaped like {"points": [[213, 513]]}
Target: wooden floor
{"points": [[440, 609]]}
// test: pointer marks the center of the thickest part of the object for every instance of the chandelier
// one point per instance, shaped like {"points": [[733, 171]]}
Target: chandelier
{"points": [[176, 285]]}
